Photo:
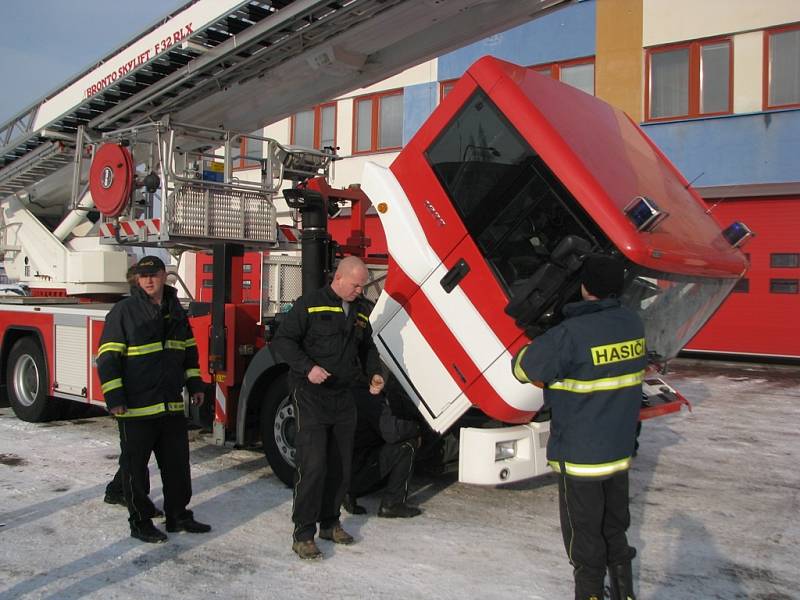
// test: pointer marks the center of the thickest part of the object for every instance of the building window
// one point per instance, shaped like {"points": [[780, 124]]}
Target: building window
{"points": [[784, 261], [578, 73], [742, 286], [690, 80], [783, 286], [782, 67], [378, 122], [250, 151], [445, 87], [315, 128]]}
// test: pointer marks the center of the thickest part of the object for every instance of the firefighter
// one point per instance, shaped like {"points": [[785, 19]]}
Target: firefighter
{"points": [[591, 367], [323, 338], [146, 356], [383, 456]]}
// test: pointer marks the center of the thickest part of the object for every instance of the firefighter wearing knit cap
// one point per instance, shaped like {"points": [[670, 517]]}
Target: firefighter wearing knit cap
{"points": [[591, 368]]}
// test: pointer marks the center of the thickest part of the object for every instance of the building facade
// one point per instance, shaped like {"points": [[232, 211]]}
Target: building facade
{"points": [[716, 85]]}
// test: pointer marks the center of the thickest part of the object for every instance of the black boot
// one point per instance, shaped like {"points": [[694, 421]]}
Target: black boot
{"points": [[588, 586], [352, 506], [621, 577], [145, 530]]}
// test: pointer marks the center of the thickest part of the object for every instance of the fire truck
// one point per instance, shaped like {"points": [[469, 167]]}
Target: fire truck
{"points": [[485, 215]]}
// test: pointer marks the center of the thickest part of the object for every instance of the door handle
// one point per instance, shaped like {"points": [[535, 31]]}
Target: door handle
{"points": [[455, 275]]}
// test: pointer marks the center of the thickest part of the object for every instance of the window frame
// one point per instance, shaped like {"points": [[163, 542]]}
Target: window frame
{"points": [[766, 70], [376, 98], [555, 67], [317, 123], [695, 53]]}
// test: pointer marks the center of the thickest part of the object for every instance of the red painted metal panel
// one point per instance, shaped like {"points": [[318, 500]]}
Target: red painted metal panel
{"points": [[758, 321]]}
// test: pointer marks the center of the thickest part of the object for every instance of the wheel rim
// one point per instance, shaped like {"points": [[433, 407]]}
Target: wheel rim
{"points": [[26, 380], [284, 430]]}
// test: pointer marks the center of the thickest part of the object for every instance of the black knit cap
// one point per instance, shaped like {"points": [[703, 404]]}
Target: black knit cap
{"points": [[149, 265], [603, 276]]}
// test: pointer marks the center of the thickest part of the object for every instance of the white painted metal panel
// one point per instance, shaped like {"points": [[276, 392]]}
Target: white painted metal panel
{"points": [[71, 359]]}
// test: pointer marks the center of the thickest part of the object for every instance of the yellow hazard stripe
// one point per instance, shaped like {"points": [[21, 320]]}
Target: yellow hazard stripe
{"points": [[112, 385], [191, 342], [112, 347], [175, 406], [518, 372], [598, 470], [192, 373], [363, 316], [597, 385], [316, 309], [144, 411], [145, 349], [175, 345]]}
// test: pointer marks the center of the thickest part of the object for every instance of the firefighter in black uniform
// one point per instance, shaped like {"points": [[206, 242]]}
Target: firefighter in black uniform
{"points": [[146, 355], [591, 367], [321, 339], [384, 450]]}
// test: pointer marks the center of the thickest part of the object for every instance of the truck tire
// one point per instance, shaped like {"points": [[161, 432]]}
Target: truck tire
{"points": [[278, 429], [26, 377]]}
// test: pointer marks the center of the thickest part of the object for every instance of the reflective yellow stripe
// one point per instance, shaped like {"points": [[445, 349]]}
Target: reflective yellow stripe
{"points": [[175, 345], [144, 411], [518, 372], [192, 373], [111, 347], [114, 384], [599, 470], [316, 309], [191, 342], [611, 353], [363, 316], [597, 385], [145, 349], [175, 406]]}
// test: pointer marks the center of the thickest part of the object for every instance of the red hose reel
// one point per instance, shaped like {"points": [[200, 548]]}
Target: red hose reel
{"points": [[111, 179]]}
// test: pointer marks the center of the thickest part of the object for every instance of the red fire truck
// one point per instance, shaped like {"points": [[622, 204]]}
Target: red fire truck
{"points": [[486, 215]]}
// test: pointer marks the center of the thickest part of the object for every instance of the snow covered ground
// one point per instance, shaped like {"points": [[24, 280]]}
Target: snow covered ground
{"points": [[715, 507]]}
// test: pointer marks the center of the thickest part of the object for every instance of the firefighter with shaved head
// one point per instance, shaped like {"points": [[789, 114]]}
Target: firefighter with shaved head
{"points": [[326, 340], [591, 367]]}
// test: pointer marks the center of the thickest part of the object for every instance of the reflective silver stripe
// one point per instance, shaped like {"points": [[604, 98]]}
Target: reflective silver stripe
{"points": [[578, 386], [518, 372], [598, 470], [175, 345]]}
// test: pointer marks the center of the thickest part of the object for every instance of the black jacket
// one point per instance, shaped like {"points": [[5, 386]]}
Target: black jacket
{"points": [[377, 425], [146, 355], [593, 366], [317, 332]]}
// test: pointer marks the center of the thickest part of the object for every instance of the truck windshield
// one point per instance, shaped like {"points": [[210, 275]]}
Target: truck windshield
{"points": [[511, 203], [673, 307]]}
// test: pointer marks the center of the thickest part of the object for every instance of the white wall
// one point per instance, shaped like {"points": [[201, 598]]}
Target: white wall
{"points": [[667, 21]]}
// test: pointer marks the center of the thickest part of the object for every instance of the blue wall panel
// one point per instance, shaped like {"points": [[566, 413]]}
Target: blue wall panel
{"points": [[418, 103], [738, 149], [564, 34]]}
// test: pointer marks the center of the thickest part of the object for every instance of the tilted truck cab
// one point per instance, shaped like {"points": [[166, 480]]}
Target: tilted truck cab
{"points": [[487, 213]]}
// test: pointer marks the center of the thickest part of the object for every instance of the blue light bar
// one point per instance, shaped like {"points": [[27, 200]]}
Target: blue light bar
{"points": [[644, 213]]}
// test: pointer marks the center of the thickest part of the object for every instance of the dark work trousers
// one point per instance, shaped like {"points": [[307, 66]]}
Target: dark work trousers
{"points": [[167, 437], [114, 487], [326, 423], [391, 464], [594, 518]]}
